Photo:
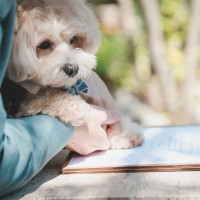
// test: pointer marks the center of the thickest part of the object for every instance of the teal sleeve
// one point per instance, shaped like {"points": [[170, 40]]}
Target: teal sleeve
{"points": [[26, 144]]}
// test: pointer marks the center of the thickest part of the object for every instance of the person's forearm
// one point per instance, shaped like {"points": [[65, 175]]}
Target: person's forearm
{"points": [[26, 145]]}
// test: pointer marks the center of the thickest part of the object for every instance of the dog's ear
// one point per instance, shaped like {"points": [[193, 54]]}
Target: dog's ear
{"points": [[19, 67], [92, 35], [15, 71], [20, 18], [92, 41]]}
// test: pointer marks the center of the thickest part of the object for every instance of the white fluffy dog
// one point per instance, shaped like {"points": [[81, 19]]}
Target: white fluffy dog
{"points": [[54, 46]]}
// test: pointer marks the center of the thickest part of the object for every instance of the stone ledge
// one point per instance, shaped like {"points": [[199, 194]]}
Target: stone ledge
{"points": [[50, 184]]}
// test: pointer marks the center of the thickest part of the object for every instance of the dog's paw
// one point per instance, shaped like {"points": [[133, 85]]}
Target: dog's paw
{"points": [[128, 137], [126, 141]]}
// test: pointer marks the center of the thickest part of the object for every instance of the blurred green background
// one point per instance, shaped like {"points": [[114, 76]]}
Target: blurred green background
{"points": [[125, 61]]}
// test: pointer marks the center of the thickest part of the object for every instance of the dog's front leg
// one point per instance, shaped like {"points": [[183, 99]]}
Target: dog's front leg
{"points": [[56, 103]]}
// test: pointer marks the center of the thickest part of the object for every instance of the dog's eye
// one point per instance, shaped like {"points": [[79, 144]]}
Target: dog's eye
{"points": [[45, 45], [73, 40]]}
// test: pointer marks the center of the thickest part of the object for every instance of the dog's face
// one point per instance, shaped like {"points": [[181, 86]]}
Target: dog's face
{"points": [[54, 45]]}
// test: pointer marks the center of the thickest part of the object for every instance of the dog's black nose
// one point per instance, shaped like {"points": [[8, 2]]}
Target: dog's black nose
{"points": [[71, 69]]}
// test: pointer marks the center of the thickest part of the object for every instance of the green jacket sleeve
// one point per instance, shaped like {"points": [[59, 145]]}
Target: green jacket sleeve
{"points": [[26, 144]]}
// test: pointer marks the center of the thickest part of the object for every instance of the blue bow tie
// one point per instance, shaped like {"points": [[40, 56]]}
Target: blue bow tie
{"points": [[79, 86]]}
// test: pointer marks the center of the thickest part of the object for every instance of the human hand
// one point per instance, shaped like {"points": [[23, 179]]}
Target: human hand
{"points": [[92, 135]]}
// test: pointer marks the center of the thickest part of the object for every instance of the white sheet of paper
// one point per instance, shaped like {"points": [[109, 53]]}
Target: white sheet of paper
{"points": [[162, 145]]}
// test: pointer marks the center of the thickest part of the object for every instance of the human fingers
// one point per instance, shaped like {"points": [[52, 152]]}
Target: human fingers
{"points": [[101, 141], [105, 146], [111, 117], [103, 116]]}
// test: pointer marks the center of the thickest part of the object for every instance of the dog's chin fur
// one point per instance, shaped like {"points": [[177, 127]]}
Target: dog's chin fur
{"points": [[57, 22]]}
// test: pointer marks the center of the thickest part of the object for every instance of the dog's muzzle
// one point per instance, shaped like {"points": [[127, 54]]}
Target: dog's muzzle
{"points": [[71, 69]]}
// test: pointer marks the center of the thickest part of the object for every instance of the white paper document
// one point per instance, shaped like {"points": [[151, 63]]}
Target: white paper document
{"points": [[162, 145]]}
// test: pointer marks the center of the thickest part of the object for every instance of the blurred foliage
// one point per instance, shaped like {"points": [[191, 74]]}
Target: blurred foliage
{"points": [[114, 63], [175, 15]]}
